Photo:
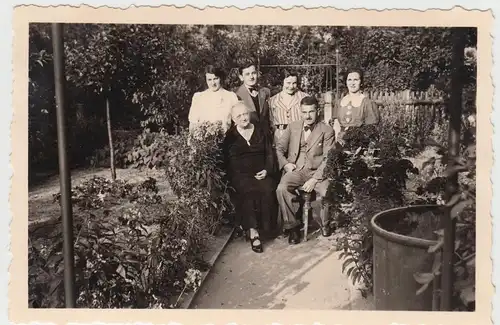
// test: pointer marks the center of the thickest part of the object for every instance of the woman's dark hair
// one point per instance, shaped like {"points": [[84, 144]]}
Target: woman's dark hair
{"points": [[355, 70], [218, 72], [291, 73]]}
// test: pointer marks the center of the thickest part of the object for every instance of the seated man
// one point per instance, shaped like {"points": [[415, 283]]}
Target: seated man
{"points": [[302, 152]]}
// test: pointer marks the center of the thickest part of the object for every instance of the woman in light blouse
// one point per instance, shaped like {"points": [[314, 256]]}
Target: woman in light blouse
{"points": [[213, 104]]}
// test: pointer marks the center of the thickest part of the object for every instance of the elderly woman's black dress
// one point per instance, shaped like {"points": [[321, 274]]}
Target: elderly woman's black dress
{"points": [[254, 200]]}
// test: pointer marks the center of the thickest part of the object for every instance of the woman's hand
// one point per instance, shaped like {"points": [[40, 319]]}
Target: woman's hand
{"points": [[261, 175], [340, 136]]}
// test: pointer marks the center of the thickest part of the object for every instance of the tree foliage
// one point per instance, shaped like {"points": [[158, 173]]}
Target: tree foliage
{"points": [[150, 72]]}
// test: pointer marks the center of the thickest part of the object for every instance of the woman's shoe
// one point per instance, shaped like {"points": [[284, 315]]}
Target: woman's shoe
{"points": [[256, 248], [238, 232]]}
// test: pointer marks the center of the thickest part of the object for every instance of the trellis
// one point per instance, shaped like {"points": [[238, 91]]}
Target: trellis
{"points": [[328, 88]]}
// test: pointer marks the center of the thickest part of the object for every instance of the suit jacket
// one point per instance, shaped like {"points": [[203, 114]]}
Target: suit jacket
{"points": [[264, 95], [319, 143]]}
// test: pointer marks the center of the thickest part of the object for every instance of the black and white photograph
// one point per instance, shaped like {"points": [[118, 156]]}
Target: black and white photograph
{"points": [[276, 167]]}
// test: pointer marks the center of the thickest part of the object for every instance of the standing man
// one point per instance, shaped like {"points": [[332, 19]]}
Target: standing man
{"points": [[302, 152], [255, 97], [284, 107]]}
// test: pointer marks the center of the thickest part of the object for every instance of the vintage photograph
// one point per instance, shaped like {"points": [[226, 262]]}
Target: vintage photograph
{"points": [[176, 166]]}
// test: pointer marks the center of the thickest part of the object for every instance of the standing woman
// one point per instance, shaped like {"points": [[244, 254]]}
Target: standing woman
{"points": [[354, 109], [249, 163], [284, 107], [213, 104]]}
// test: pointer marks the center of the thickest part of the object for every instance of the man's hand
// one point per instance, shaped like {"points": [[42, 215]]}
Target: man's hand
{"points": [[289, 167], [309, 185], [261, 175]]}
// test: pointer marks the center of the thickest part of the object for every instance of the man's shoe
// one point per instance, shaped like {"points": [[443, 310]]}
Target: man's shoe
{"points": [[294, 236], [326, 231]]}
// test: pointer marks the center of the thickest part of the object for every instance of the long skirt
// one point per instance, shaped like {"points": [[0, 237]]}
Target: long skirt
{"points": [[255, 202]]}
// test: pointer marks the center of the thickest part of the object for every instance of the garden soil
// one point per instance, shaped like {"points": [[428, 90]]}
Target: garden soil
{"points": [[42, 207]]}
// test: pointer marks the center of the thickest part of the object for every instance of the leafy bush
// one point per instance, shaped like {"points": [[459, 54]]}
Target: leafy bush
{"points": [[462, 206], [195, 170], [149, 150], [367, 177], [193, 164]]}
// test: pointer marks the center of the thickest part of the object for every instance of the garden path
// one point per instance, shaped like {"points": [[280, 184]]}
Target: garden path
{"points": [[304, 276]]}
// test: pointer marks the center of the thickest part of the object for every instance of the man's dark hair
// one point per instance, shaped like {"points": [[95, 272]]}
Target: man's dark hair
{"points": [[245, 64], [309, 101]]}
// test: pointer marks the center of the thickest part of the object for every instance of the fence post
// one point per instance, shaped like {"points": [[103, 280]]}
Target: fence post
{"points": [[337, 72]]}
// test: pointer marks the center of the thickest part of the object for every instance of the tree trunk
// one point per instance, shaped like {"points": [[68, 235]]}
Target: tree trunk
{"points": [[111, 149]]}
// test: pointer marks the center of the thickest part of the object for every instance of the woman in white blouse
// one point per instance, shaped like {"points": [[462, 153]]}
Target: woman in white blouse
{"points": [[213, 104]]}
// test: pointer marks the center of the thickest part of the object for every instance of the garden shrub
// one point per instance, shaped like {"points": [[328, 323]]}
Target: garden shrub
{"points": [[195, 171], [193, 164], [148, 151], [367, 177]]}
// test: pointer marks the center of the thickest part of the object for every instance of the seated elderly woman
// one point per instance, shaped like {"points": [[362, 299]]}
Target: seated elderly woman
{"points": [[249, 162]]}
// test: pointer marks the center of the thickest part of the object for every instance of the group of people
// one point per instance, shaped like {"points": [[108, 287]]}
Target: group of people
{"points": [[276, 145]]}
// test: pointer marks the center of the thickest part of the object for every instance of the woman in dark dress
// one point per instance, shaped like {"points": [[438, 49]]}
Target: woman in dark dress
{"points": [[249, 163]]}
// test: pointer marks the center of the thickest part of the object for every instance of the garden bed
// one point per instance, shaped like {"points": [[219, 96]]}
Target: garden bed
{"points": [[40, 197], [134, 246]]}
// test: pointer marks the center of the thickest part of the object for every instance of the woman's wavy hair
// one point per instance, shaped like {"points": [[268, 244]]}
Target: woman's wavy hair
{"points": [[354, 70], [215, 70], [291, 73]]}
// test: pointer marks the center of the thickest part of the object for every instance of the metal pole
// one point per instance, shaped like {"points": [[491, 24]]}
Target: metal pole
{"points": [[64, 174], [258, 64], [455, 111], [337, 68]]}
